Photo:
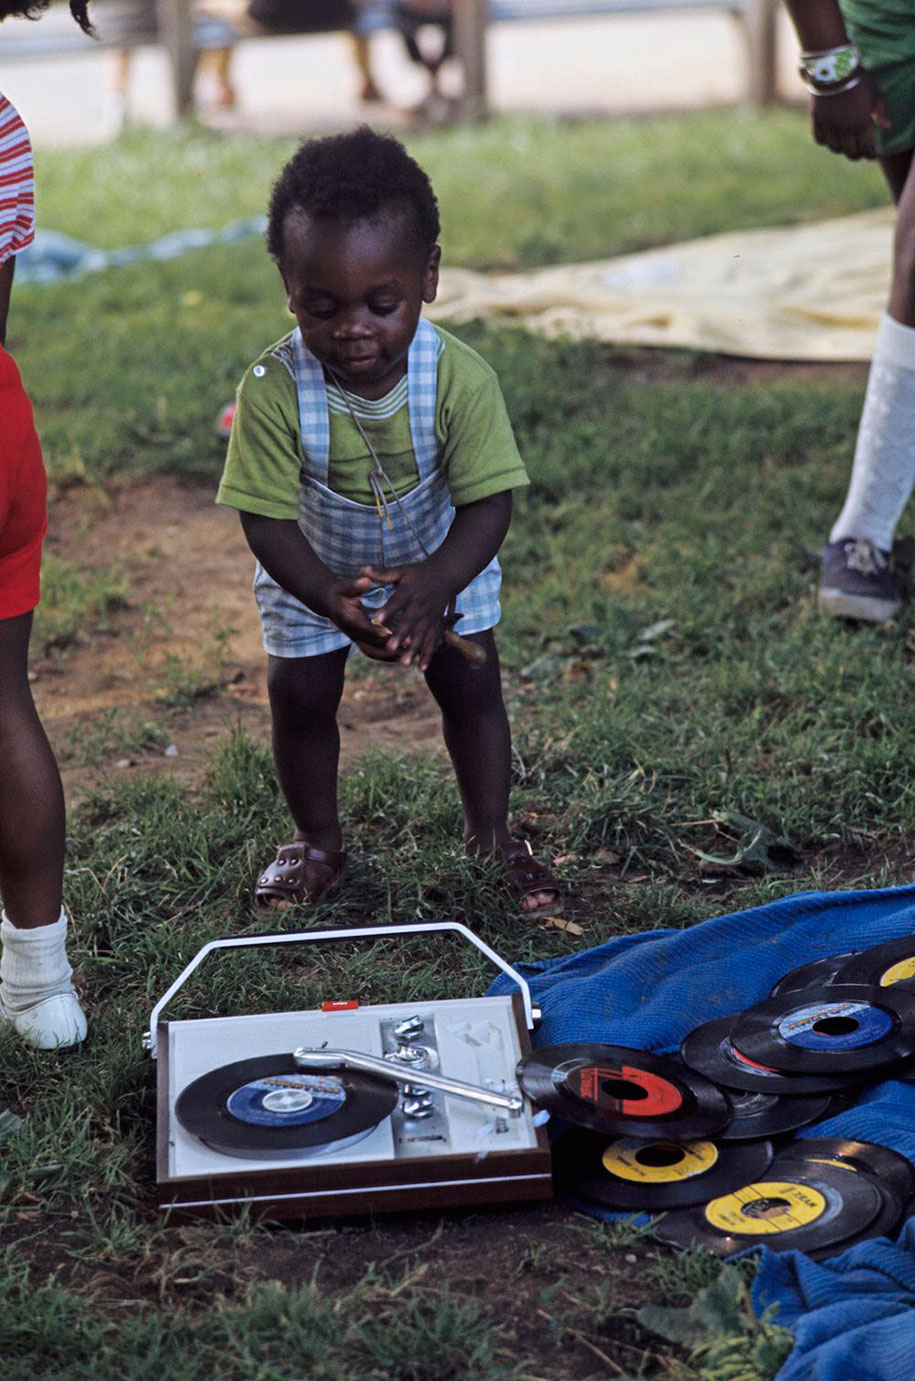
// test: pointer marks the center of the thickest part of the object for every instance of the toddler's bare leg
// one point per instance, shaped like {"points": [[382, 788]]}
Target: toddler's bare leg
{"points": [[304, 696]]}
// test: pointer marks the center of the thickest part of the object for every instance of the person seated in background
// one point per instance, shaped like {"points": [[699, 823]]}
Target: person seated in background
{"points": [[135, 22]]}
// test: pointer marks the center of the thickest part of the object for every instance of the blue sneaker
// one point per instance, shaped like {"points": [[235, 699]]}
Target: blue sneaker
{"points": [[857, 582]]}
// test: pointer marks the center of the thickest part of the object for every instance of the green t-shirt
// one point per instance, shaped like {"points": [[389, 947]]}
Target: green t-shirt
{"points": [[262, 466]]}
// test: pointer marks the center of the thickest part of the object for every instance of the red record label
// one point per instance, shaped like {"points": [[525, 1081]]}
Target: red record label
{"points": [[624, 1089], [753, 1064]]}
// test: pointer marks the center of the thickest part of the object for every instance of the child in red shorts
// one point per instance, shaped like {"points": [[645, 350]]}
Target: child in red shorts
{"points": [[37, 997]]}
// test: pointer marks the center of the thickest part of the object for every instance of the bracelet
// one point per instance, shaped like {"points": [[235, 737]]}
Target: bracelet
{"points": [[830, 67], [836, 90]]}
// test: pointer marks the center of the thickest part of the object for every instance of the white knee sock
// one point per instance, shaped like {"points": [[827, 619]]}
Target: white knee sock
{"points": [[33, 963], [883, 473]]}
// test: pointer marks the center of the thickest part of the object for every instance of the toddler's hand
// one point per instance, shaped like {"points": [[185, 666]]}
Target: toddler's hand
{"points": [[348, 613], [415, 611]]}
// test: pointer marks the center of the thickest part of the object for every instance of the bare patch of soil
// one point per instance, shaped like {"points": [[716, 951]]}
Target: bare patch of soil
{"points": [[184, 655]]}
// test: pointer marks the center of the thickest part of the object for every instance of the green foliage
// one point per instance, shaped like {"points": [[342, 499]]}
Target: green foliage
{"points": [[724, 1338]]}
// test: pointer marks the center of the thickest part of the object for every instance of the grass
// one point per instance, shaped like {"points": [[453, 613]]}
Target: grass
{"points": [[667, 672]]}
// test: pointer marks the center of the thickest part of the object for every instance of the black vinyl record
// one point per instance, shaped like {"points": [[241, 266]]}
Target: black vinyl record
{"points": [[816, 974], [270, 1108], [758, 1114], [629, 1173], [815, 1208], [891, 965], [623, 1092], [894, 1171], [710, 1050], [829, 1030]]}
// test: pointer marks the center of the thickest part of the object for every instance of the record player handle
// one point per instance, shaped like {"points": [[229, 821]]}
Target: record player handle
{"points": [[512, 1103]]}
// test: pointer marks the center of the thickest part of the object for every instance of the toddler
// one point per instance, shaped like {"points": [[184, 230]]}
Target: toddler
{"points": [[372, 462]]}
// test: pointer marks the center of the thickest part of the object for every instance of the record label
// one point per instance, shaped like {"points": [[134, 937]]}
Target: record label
{"points": [[768, 1207], [286, 1100], [658, 1162], [898, 973], [840, 1025], [623, 1089]]}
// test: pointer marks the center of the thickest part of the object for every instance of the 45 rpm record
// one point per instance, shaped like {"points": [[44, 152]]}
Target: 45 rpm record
{"points": [[893, 1170], [628, 1173], [623, 1092], [816, 1209], [829, 1030], [758, 1114], [816, 974], [891, 965], [270, 1108], [710, 1050]]}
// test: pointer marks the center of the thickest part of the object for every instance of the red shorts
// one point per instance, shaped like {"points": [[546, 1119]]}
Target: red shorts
{"points": [[23, 496]]}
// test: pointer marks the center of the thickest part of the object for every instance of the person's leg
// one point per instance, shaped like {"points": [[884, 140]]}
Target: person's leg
{"points": [[36, 994], [362, 55], [478, 738], [304, 697], [857, 581]]}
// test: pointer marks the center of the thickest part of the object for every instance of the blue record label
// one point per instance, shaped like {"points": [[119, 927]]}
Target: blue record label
{"points": [[286, 1100], [835, 1026]]}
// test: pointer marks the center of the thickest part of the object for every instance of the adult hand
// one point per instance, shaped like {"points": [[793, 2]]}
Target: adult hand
{"points": [[415, 611], [845, 122]]}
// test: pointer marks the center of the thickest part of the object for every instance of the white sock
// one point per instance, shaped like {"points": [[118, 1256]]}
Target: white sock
{"points": [[883, 473], [33, 963]]}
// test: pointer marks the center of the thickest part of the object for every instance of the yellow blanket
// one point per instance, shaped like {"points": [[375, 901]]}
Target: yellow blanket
{"points": [[810, 292]]}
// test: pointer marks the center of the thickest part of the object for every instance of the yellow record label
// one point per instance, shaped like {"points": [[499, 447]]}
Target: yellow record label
{"points": [[768, 1206], [658, 1162], [896, 973], [839, 1164]]}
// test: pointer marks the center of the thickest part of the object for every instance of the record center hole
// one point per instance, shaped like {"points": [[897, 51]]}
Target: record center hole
{"points": [[659, 1155], [623, 1090], [765, 1208], [835, 1026]]}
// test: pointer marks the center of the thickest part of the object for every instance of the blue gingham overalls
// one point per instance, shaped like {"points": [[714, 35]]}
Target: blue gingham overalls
{"points": [[348, 535]]}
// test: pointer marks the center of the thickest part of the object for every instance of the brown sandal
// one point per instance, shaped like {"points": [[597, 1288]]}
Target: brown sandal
{"points": [[526, 876], [299, 873]]}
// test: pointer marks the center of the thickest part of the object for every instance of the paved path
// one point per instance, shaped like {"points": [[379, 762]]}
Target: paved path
{"points": [[301, 85]]}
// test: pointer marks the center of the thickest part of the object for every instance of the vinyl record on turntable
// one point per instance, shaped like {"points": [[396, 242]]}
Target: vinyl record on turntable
{"points": [[270, 1108], [814, 975], [891, 965], [817, 1209], [629, 1173], [758, 1114], [710, 1050], [829, 1030], [623, 1092], [893, 1170]]}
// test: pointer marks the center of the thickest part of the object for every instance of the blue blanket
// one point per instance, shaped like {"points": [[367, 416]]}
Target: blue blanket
{"points": [[853, 1318]]}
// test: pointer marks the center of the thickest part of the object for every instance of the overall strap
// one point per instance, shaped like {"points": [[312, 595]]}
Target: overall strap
{"points": [[422, 392], [314, 422]]}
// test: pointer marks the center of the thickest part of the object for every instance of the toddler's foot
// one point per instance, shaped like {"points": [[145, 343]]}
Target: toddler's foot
{"points": [[37, 997], [857, 582], [299, 873], [530, 882]]}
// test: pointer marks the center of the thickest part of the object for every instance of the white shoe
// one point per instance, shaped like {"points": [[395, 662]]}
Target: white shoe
{"points": [[55, 1023]]}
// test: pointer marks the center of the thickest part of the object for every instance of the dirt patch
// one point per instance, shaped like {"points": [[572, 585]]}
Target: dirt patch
{"points": [[182, 661]]}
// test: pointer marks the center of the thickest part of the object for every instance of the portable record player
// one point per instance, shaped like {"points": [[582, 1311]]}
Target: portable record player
{"points": [[349, 1108]]}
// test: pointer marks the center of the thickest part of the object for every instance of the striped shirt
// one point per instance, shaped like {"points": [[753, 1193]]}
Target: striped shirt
{"points": [[17, 183]]}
